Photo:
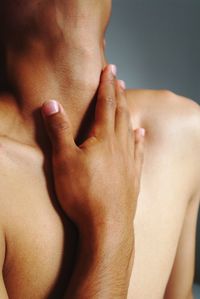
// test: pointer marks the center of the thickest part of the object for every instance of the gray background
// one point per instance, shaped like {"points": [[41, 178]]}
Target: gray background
{"points": [[156, 45]]}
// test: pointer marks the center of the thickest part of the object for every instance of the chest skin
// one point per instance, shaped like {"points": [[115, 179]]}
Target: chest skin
{"points": [[41, 242]]}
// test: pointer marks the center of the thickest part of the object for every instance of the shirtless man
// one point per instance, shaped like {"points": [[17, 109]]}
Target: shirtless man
{"points": [[56, 50]]}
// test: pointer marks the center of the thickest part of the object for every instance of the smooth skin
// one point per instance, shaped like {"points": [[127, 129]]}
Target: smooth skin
{"points": [[102, 209], [37, 241]]}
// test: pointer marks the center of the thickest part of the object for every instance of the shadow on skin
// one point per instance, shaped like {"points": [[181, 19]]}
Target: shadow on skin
{"points": [[70, 231]]}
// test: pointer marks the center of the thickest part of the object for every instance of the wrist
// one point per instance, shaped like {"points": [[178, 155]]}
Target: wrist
{"points": [[101, 262], [107, 243], [99, 232]]}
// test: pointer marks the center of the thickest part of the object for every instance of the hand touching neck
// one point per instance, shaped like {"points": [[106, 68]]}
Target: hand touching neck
{"points": [[55, 51]]}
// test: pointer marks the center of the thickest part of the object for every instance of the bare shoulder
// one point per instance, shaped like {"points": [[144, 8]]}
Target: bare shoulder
{"points": [[172, 123], [164, 111]]}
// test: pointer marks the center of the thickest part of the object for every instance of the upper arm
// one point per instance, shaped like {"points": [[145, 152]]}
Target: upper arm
{"points": [[182, 275], [3, 293], [183, 117], [181, 279]]}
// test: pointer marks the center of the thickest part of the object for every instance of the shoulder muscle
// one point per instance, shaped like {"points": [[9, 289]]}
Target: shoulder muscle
{"points": [[173, 124]]}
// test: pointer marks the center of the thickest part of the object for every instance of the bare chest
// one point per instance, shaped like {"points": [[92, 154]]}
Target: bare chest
{"points": [[41, 242]]}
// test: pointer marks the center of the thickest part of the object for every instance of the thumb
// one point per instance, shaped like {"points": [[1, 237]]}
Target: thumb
{"points": [[58, 126]]}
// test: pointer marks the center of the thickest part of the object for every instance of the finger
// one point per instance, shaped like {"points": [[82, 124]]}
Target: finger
{"points": [[139, 150], [58, 126], [123, 119], [106, 102]]}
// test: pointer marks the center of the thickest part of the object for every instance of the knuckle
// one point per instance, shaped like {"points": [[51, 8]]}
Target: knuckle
{"points": [[106, 84], [122, 109], [110, 101], [111, 82], [60, 126]]}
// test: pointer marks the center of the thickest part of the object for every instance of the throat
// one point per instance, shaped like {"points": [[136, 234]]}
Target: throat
{"points": [[70, 74]]}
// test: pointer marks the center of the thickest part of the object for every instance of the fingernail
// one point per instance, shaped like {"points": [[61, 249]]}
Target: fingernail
{"points": [[51, 107], [122, 84], [142, 132], [113, 69]]}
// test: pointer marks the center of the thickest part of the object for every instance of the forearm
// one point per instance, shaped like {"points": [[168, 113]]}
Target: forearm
{"points": [[103, 270]]}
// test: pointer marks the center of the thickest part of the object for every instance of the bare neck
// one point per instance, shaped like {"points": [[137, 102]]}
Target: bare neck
{"points": [[69, 73], [55, 56]]}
